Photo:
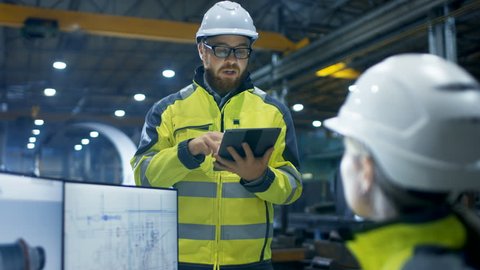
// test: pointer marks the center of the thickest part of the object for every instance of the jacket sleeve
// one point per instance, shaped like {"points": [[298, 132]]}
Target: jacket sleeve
{"points": [[159, 162], [281, 183]]}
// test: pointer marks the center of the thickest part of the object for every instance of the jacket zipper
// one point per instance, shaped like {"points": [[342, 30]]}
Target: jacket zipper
{"points": [[218, 199], [222, 125], [218, 227], [267, 232], [222, 120]]}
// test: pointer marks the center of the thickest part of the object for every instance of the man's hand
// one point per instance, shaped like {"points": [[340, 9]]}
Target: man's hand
{"points": [[249, 167], [206, 144]]}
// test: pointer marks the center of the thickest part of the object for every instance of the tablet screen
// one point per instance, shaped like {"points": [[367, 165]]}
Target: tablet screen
{"points": [[259, 140]]}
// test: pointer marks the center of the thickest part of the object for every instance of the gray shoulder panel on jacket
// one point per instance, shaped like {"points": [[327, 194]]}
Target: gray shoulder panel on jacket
{"points": [[435, 261]]}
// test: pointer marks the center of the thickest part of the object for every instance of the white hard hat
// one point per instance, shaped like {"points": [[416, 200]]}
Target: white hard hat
{"points": [[420, 117], [227, 18]]}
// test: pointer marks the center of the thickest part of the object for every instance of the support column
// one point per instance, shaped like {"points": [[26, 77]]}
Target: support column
{"points": [[87, 163], [66, 164], [3, 146], [442, 37], [450, 37]]}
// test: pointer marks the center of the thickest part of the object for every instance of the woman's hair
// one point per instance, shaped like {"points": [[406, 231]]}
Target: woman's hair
{"points": [[404, 200]]}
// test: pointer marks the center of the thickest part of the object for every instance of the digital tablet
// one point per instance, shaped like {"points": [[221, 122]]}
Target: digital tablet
{"points": [[259, 140]]}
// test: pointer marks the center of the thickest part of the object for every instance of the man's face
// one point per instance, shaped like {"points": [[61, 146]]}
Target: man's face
{"points": [[224, 74]]}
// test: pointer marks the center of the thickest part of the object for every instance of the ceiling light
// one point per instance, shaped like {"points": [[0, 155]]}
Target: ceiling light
{"points": [[36, 132], [317, 123], [352, 88], [85, 141], [297, 107], [32, 139], [119, 113], [49, 92], [39, 122], [168, 73], [93, 134], [77, 147], [307, 176], [30, 145], [139, 97], [59, 65], [3, 107]]}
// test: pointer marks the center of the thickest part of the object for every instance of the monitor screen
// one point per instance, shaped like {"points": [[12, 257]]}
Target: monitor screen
{"points": [[119, 227], [30, 222]]}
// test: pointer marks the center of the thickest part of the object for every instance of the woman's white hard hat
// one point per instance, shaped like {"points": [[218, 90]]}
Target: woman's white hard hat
{"points": [[420, 117]]}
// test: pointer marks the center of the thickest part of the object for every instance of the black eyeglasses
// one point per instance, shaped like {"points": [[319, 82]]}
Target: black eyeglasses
{"points": [[224, 51]]}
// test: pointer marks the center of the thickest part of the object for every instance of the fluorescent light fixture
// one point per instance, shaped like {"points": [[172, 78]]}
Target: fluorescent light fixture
{"points": [[330, 69], [317, 123], [39, 122], [338, 70], [49, 92], [297, 107], [119, 113], [32, 139], [93, 134], [77, 147], [36, 132], [168, 73], [85, 141], [139, 97], [347, 73], [30, 145], [59, 65]]}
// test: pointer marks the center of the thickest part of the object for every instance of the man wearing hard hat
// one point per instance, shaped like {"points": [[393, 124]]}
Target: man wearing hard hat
{"points": [[225, 207], [412, 141]]}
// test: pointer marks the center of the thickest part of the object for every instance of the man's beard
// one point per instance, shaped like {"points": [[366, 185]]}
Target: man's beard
{"points": [[223, 86]]}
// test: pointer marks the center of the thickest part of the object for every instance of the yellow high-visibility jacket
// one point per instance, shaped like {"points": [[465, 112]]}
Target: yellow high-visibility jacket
{"points": [[223, 220], [439, 239]]}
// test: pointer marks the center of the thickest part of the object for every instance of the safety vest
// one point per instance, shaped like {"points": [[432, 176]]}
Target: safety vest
{"points": [[408, 244], [223, 220]]}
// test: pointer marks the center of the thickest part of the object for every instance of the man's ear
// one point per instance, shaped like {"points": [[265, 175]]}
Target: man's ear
{"points": [[201, 50], [368, 174]]}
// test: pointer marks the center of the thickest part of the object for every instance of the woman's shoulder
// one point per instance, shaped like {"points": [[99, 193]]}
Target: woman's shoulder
{"points": [[430, 258]]}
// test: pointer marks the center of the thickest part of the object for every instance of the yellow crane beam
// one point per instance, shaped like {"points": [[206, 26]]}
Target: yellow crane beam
{"points": [[126, 27]]}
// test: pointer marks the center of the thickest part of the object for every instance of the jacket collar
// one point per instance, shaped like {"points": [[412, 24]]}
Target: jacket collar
{"points": [[389, 245]]}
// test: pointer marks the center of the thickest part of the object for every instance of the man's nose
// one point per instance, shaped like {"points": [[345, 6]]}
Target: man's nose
{"points": [[231, 57]]}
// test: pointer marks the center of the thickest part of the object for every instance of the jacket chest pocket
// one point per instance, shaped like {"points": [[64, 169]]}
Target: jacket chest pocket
{"points": [[191, 131]]}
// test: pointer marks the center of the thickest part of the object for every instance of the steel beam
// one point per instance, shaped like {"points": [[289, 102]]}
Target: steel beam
{"points": [[131, 121], [126, 27], [337, 45]]}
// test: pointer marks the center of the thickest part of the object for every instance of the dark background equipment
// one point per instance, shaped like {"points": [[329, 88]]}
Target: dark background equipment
{"points": [[21, 256]]}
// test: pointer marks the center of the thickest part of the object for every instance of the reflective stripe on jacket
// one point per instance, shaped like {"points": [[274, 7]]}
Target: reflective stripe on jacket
{"points": [[222, 219]]}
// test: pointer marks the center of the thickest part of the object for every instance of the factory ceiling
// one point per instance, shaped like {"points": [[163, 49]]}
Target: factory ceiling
{"points": [[116, 49]]}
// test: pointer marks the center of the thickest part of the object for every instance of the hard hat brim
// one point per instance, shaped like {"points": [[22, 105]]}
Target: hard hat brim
{"points": [[227, 31], [335, 125]]}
